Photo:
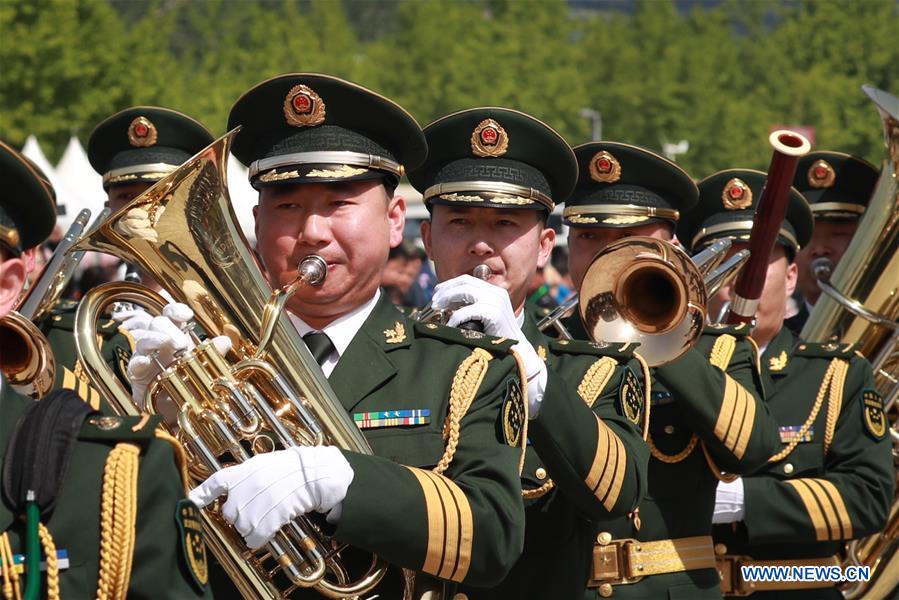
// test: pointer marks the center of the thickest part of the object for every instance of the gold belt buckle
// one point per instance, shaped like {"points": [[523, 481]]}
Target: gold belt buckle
{"points": [[732, 583], [612, 563]]}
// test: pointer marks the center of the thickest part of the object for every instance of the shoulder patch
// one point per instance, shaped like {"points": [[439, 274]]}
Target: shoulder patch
{"points": [[190, 526], [618, 351], [513, 413], [473, 339], [739, 331], [874, 417], [110, 427], [827, 350], [630, 397]]}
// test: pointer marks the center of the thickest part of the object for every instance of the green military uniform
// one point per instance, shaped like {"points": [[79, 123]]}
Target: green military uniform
{"points": [[832, 478], [440, 496], [581, 465], [110, 512], [706, 414], [837, 187]]}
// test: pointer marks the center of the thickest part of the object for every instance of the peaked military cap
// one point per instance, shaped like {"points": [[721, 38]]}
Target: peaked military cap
{"points": [[27, 202], [726, 209], [836, 185], [313, 128], [621, 185], [495, 157], [143, 144]]}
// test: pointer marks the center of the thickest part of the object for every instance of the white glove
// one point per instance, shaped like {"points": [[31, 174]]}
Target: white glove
{"points": [[270, 490], [131, 317], [730, 505], [490, 305], [165, 338]]}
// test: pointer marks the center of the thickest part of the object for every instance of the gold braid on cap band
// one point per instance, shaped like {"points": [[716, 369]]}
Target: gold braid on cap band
{"points": [[516, 194], [579, 212], [157, 170], [358, 159], [742, 226], [837, 207]]}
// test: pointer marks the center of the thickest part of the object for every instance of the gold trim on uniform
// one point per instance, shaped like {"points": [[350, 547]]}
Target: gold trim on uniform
{"points": [[825, 508], [604, 167], [606, 474], [821, 174], [396, 334], [9, 236], [343, 171], [736, 195], [489, 139], [450, 526], [779, 362], [595, 379], [142, 132], [303, 107], [735, 418], [618, 211]]}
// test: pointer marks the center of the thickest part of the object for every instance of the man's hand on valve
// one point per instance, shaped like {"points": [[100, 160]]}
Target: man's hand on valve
{"points": [[490, 305], [160, 338], [270, 490]]}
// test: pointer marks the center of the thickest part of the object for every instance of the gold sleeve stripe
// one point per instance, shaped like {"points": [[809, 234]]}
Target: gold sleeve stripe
{"points": [[748, 422], [833, 494], [726, 412], [811, 507], [830, 514], [735, 418], [606, 475], [739, 404], [69, 381], [450, 526]]}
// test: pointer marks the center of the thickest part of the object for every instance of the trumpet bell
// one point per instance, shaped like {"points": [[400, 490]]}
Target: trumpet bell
{"points": [[644, 290]]}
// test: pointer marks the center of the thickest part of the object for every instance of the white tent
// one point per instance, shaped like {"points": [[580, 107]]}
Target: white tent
{"points": [[67, 213], [243, 197], [83, 183]]}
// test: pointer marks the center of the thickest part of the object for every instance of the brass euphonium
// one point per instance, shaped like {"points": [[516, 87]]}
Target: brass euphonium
{"points": [[267, 393], [860, 305], [645, 290]]}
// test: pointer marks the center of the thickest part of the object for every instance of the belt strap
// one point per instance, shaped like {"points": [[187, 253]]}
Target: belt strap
{"points": [[625, 561], [733, 584]]}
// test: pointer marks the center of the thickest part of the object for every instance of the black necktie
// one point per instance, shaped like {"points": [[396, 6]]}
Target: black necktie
{"points": [[319, 345]]}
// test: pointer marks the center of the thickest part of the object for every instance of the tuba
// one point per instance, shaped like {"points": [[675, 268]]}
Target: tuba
{"points": [[267, 393], [645, 290], [860, 305]]}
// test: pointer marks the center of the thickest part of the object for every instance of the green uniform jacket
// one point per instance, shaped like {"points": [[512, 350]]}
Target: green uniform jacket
{"points": [[594, 456], [161, 567], [466, 525], [724, 411], [837, 482], [58, 327]]}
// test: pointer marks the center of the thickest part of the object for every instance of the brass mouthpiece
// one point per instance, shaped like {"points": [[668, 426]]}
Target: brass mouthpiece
{"points": [[313, 269], [821, 268], [482, 271]]}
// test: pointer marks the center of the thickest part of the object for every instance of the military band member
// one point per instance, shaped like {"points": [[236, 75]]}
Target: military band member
{"points": [[706, 416], [490, 182], [837, 187], [444, 413], [109, 512], [832, 478]]}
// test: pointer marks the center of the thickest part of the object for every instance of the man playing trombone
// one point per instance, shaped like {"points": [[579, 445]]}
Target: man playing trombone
{"points": [[490, 182], [707, 417]]}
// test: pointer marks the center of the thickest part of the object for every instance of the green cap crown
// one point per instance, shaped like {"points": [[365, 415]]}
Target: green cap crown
{"points": [[726, 209], [836, 185], [621, 185], [313, 128], [495, 157], [143, 144], [27, 203]]}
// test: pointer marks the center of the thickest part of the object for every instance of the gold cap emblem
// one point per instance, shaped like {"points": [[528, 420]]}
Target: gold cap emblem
{"points": [[489, 139], [303, 107], [736, 195], [142, 132], [821, 174], [605, 168]]}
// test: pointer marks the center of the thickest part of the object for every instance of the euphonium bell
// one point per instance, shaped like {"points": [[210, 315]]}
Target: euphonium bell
{"points": [[267, 393]]}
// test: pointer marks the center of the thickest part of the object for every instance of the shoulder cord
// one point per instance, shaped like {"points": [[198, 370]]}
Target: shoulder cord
{"points": [[180, 456], [834, 379], [117, 521], [834, 405], [647, 393], [11, 589], [463, 391]]}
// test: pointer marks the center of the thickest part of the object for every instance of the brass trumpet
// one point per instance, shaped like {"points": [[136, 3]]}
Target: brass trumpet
{"points": [[429, 314], [645, 290], [267, 393]]}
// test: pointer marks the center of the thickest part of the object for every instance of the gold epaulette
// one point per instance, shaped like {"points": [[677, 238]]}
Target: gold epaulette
{"points": [[472, 339], [826, 350]]}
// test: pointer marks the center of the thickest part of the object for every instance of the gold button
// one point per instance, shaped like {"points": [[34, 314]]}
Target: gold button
{"points": [[669, 429], [605, 590], [604, 538], [541, 473], [720, 549], [788, 468], [802, 346]]}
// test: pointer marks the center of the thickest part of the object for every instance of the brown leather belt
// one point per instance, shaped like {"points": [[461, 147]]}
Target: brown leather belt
{"points": [[624, 561], [733, 584]]}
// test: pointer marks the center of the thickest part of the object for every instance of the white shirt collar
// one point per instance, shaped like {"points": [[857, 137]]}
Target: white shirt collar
{"points": [[519, 318], [341, 331]]}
